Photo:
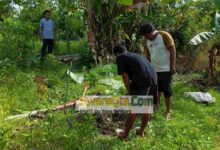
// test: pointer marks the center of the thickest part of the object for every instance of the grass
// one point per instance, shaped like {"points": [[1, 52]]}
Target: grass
{"points": [[193, 125]]}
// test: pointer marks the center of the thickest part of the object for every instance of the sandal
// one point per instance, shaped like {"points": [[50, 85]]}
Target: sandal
{"points": [[168, 115], [138, 132], [120, 134]]}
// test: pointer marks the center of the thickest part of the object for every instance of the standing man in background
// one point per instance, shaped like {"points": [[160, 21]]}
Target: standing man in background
{"points": [[47, 34], [160, 51]]}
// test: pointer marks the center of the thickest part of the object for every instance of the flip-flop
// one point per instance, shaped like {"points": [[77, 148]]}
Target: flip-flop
{"points": [[137, 132], [120, 134], [168, 115]]}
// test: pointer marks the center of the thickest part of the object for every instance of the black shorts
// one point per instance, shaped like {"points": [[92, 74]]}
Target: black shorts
{"points": [[144, 91], [164, 83], [48, 45]]}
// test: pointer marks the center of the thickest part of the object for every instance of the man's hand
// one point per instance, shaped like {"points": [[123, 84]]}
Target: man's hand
{"points": [[41, 38], [41, 34], [126, 81], [128, 93], [173, 70]]}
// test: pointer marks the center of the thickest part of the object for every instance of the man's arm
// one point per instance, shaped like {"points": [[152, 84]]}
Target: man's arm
{"points": [[146, 50], [54, 33], [41, 33], [41, 30], [126, 81], [172, 50], [54, 36], [169, 42]]}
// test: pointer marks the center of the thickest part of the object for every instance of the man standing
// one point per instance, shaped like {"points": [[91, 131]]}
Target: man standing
{"points": [[47, 34], [139, 78], [160, 51]]}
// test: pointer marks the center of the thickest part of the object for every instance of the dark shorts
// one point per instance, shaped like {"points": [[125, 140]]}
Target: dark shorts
{"points": [[145, 91], [164, 83], [47, 48]]}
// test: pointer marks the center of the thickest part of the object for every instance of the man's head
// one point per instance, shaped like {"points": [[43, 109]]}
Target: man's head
{"points": [[47, 14], [119, 50], [148, 31]]}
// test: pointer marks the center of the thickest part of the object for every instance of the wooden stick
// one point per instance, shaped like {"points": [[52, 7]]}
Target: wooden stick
{"points": [[42, 112]]}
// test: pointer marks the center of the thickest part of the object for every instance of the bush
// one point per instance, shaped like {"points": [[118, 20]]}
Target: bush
{"points": [[17, 43]]}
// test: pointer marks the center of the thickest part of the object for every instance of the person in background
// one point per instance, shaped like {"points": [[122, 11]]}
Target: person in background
{"points": [[47, 34], [160, 51], [139, 78]]}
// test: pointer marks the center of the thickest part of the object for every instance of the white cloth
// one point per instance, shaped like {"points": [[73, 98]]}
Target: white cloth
{"points": [[200, 97], [160, 55]]}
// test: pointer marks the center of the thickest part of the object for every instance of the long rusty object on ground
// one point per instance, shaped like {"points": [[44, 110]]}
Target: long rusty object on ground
{"points": [[42, 112]]}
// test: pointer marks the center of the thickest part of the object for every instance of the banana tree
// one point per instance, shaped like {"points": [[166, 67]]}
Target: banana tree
{"points": [[103, 31], [210, 37]]}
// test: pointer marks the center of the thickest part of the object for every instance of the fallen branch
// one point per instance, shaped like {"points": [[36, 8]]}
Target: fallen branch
{"points": [[41, 113]]}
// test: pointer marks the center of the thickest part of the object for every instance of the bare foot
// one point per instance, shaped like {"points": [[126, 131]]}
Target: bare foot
{"points": [[121, 134], [156, 107], [167, 115], [139, 133]]}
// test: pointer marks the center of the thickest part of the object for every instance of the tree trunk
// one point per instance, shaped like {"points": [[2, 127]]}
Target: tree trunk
{"points": [[212, 61], [91, 32], [102, 30]]}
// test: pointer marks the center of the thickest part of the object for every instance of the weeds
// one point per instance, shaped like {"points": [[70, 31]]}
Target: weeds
{"points": [[193, 125]]}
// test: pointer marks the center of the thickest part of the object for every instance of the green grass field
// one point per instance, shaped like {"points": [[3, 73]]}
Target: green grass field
{"points": [[193, 126]]}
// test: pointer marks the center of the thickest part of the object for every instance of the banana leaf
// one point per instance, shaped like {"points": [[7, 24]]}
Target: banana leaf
{"points": [[201, 38], [115, 84], [78, 78]]}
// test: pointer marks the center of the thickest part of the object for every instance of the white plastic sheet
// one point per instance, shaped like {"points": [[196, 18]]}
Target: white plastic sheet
{"points": [[200, 97]]}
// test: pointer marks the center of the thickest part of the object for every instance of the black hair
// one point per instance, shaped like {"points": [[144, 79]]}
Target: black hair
{"points": [[46, 11], [119, 49], [146, 28]]}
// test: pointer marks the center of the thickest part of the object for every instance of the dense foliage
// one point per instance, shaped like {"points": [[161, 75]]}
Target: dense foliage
{"points": [[88, 30], [193, 125], [20, 24]]}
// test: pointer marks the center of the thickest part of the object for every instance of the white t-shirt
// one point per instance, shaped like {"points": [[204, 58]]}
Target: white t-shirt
{"points": [[159, 54]]}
